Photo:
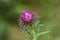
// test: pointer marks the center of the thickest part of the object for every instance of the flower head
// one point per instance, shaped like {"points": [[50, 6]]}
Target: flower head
{"points": [[27, 18]]}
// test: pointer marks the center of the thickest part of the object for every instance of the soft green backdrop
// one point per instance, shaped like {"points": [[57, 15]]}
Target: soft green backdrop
{"points": [[10, 10]]}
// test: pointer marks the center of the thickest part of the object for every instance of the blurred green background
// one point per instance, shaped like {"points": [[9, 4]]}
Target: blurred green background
{"points": [[10, 10]]}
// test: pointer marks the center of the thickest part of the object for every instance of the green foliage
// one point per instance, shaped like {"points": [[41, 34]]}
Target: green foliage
{"points": [[49, 10]]}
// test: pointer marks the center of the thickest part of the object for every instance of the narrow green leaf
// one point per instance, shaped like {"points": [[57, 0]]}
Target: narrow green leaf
{"points": [[43, 33]]}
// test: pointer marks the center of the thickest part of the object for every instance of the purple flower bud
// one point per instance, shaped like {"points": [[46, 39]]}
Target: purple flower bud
{"points": [[27, 18]]}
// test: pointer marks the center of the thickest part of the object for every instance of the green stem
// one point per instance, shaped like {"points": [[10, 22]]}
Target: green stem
{"points": [[34, 34]]}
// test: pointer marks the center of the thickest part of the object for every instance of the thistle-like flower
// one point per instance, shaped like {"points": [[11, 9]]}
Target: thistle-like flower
{"points": [[27, 18]]}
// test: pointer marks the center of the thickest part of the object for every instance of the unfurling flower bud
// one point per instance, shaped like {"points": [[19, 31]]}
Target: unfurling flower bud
{"points": [[27, 18]]}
